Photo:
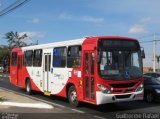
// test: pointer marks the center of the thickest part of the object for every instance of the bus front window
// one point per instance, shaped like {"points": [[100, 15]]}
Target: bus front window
{"points": [[120, 64]]}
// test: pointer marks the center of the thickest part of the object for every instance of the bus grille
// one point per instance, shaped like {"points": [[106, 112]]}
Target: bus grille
{"points": [[124, 85], [122, 96], [123, 91]]}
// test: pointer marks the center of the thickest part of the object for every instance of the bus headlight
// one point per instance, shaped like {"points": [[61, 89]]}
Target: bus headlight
{"points": [[103, 89], [139, 88]]}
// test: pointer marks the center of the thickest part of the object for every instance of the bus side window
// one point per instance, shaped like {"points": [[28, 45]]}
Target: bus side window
{"points": [[74, 56], [37, 58], [29, 57], [14, 59], [59, 57]]}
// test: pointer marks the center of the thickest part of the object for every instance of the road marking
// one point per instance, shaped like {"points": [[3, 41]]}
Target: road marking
{"points": [[78, 111], [27, 105], [99, 117]]}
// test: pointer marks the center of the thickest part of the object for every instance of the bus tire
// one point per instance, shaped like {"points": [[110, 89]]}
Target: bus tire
{"points": [[72, 96], [28, 87]]}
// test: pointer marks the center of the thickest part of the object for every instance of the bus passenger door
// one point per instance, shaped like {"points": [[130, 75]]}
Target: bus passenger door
{"points": [[46, 71], [89, 81], [14, 68], [19, 71]]}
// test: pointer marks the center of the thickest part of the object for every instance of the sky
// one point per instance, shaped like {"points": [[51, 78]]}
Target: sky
{"points": [[56, 20]]}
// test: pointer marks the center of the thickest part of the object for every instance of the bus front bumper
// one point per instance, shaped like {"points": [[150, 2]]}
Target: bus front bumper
{"points": [[102, 98]]}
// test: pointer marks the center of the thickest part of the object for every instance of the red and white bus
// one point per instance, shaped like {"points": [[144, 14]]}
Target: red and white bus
{"points": [[97, 70]]}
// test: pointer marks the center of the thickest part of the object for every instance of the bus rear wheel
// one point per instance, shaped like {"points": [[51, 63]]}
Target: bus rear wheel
{"points": [[72, 96], [28, 87]]}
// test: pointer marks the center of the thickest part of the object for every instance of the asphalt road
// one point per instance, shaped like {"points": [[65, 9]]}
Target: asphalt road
{"points": [[123, 110]]}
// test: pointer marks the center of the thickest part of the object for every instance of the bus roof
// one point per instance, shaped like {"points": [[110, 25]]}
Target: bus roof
{"points": [[56, 44], [72, 42]]}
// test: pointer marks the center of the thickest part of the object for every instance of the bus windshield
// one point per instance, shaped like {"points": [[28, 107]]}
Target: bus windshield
{"points": [[120, 63]]}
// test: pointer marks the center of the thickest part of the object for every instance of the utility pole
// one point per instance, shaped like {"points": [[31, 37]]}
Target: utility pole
{"points": [[158, 59], [154, 52], [37, 42]]}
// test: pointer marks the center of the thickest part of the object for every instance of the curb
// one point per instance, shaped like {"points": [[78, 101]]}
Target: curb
{"points": [[41, 100], [34, 98], [51, 103]]}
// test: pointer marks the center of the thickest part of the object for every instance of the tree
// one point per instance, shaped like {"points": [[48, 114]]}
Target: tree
{"points": [[15, 39], [4, 56]]}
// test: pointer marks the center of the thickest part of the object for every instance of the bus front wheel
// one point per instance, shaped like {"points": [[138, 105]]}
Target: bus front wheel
{"points": [[72, 96]]}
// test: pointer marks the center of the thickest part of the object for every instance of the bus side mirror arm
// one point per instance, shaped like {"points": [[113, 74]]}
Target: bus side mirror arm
{"points": [[142, 53]]}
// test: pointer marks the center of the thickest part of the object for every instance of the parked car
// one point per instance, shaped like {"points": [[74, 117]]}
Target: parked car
{"points": [[153, 74], [151, 88]]}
